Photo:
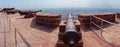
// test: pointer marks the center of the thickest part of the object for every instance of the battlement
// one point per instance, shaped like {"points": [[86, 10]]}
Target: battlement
{"points": [[51, 20], [85, 18]]}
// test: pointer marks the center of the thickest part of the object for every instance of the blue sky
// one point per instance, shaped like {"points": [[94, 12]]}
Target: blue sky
{"points": [[31, 4]]}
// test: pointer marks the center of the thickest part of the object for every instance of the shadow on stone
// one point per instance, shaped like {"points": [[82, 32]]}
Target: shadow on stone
{"points": [[105, 25], [41, 27]]}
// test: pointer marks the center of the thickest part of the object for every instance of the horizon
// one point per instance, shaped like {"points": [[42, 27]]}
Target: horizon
{"points": [[65, 8], [42, 4]]}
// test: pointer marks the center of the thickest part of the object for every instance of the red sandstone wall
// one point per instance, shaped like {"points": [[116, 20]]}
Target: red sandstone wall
{"points": [[11, 11], [51, 20], [118, 15], [62, 26], [108, 17], [85, 18], [29, 15]]}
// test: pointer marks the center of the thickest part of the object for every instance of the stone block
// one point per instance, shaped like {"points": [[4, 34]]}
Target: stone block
{"points": [[85, 18], [50, 20]]}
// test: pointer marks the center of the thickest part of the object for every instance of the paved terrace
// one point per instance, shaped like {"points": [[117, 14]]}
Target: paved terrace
{"points": [[40, 36]]}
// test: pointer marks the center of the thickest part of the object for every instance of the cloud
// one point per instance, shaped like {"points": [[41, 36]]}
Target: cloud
{"points": [[61, 3]]}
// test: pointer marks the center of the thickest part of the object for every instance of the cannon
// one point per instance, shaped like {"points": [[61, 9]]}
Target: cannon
{"points": [[11, 11], [69, 35], [5, 9], [23, 12]]}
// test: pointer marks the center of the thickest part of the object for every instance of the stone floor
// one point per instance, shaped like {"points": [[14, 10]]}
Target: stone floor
{"points": [[40, 36]]}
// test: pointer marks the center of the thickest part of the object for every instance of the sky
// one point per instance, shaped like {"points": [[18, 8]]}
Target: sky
{"points": [[31, 4]]}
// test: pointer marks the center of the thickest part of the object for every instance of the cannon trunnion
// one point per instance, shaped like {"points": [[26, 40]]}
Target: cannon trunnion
{"points": [[69, 33]]}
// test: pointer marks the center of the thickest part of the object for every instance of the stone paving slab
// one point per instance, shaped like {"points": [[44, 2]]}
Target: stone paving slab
{"points": [[41, 36]]}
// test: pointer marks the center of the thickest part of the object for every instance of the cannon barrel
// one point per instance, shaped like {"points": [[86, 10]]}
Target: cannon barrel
{"points": [[71, 36]]}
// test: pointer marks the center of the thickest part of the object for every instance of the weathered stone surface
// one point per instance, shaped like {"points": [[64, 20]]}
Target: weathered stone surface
{"points": [[9, 10], [51, 20], [40, 37], [118, 15], [85, 18], [29, 15]]}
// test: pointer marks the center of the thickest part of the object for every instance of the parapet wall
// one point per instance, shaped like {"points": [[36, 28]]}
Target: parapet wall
{"points": [[29, 14], [62, 26], [85, 18], [118, 15], [51, 20], [9, 10]]}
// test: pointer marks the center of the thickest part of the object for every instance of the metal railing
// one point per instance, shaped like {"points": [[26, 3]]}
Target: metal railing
{"points": [[102, 21], [12, 36]]}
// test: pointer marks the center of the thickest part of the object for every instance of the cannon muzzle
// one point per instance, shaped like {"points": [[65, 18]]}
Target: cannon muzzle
{"points": [[71, 36]]}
